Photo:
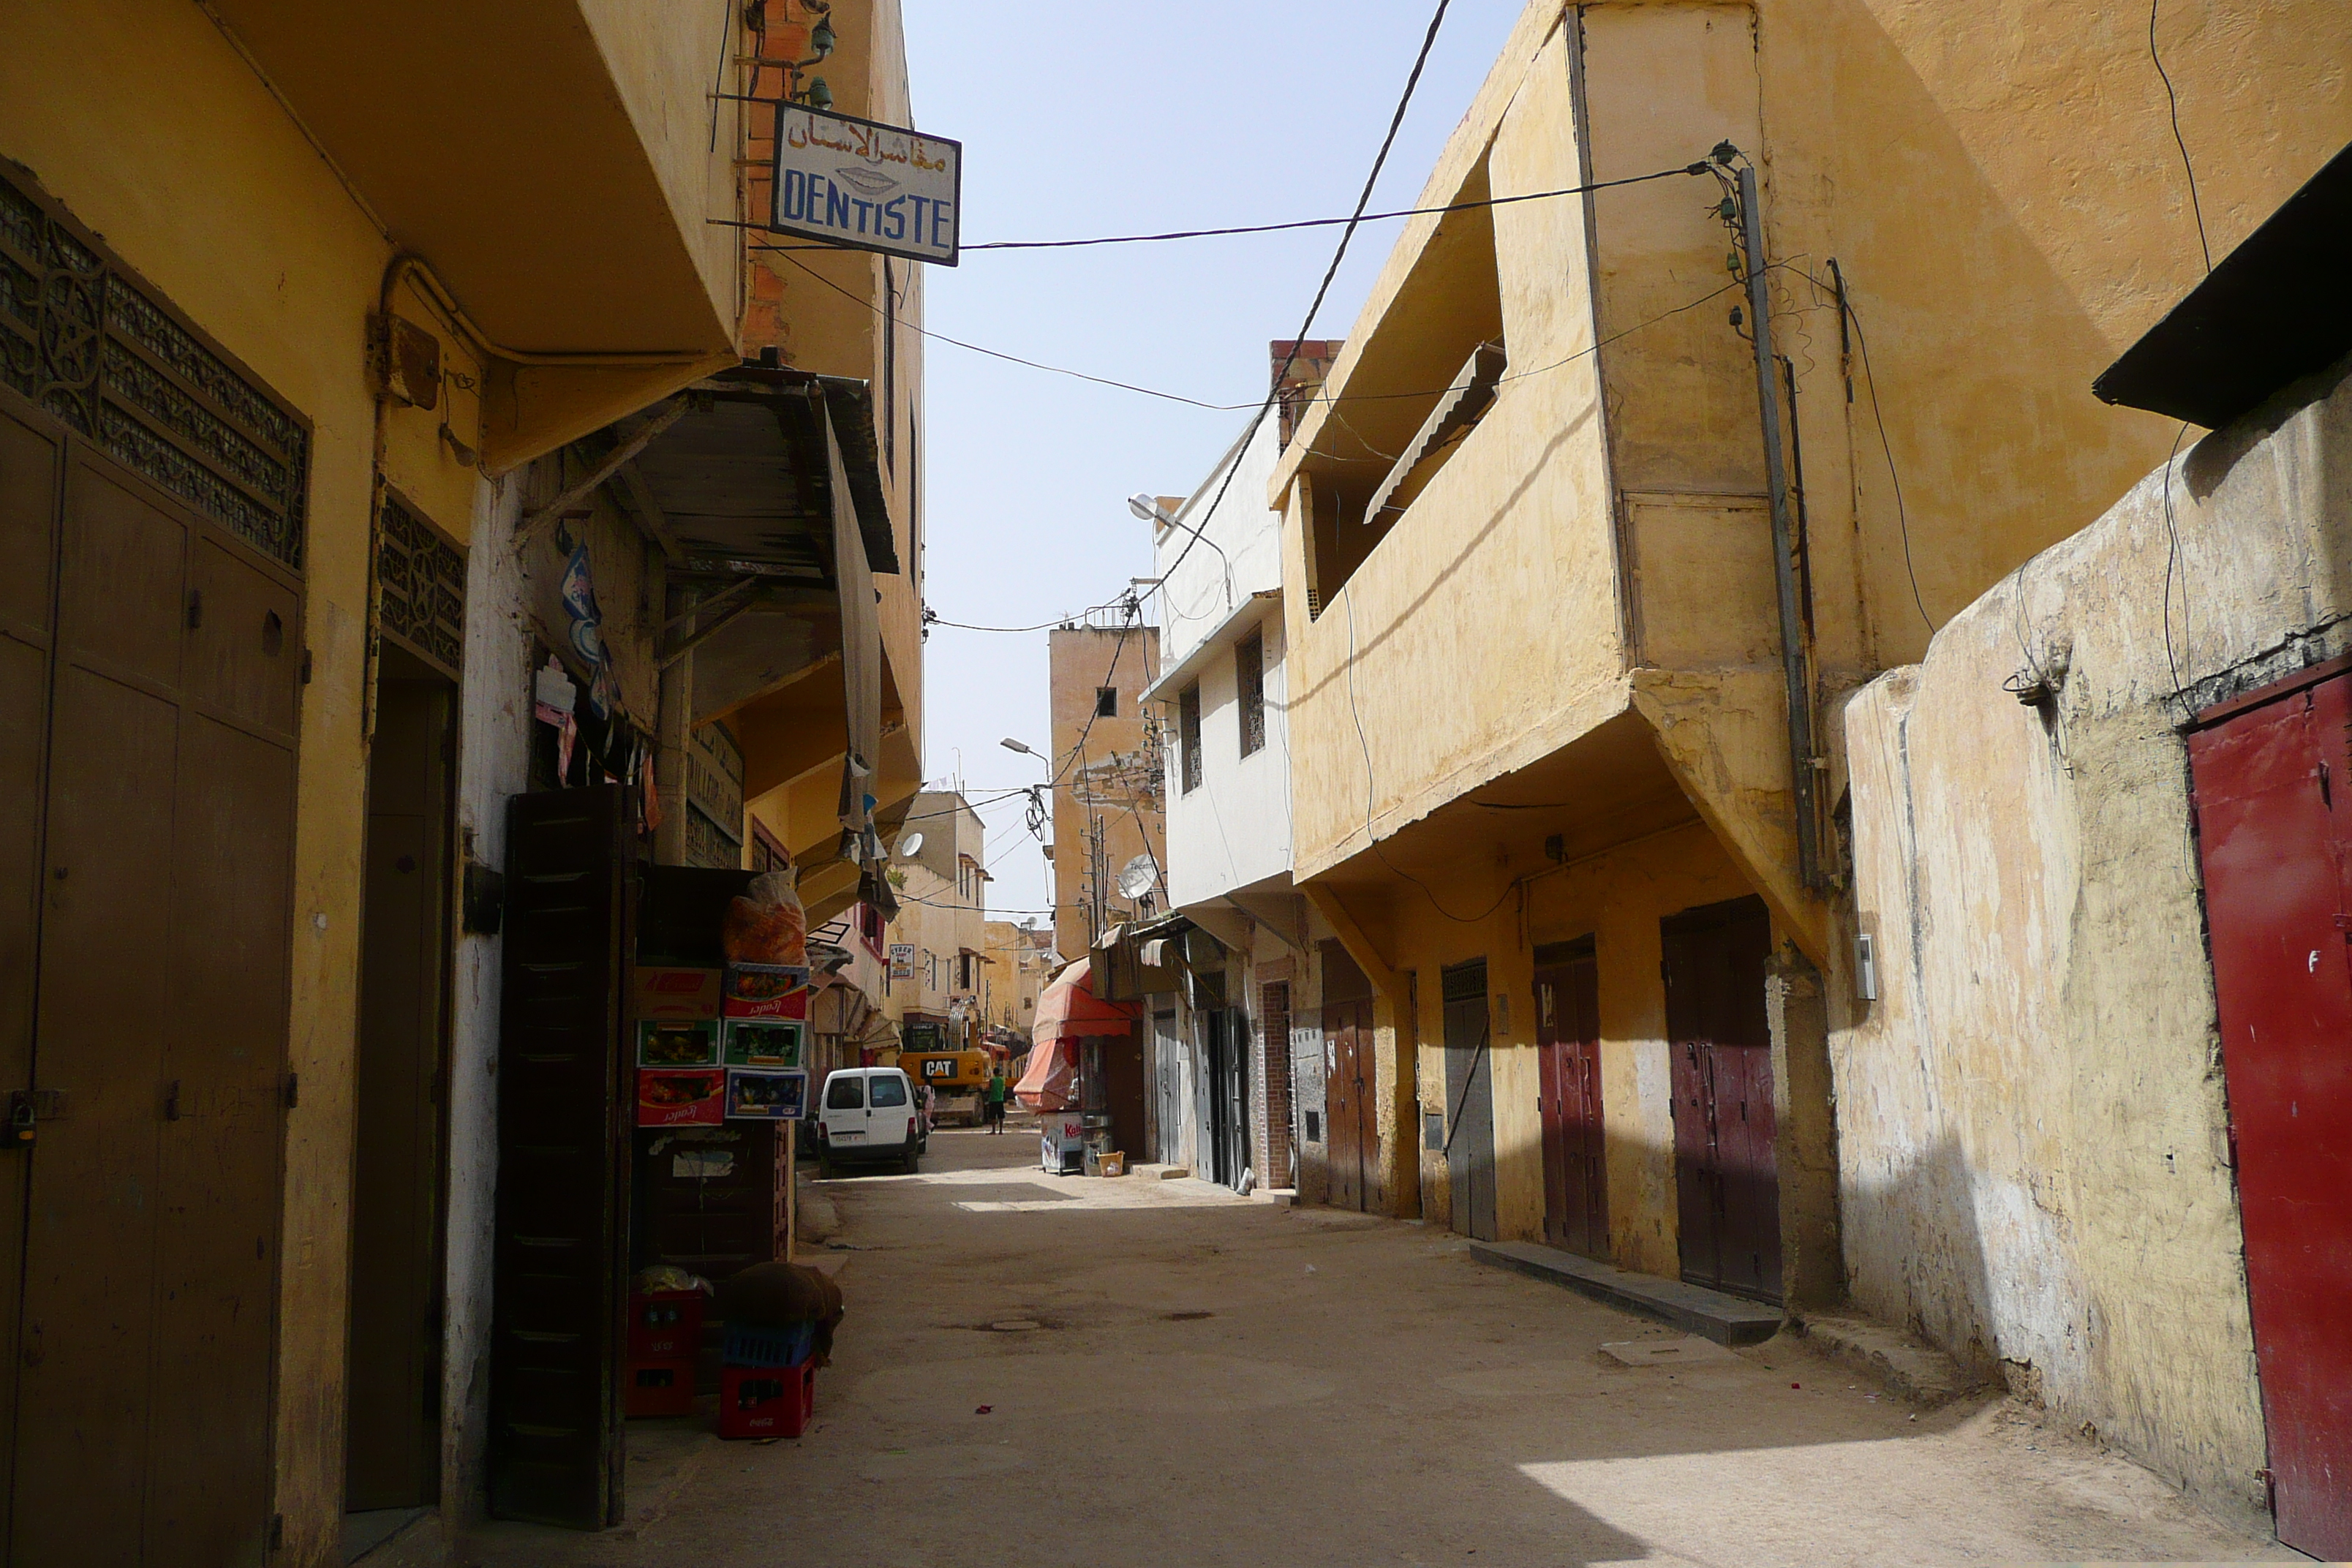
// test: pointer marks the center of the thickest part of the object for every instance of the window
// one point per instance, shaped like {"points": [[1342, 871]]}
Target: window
{"points": [[1106, 701], [869, 928], [1188, 735], [889, 1088], [845, 1092], [1249, 680]]}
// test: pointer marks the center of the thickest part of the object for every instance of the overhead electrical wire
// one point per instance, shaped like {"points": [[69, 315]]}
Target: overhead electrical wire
{"points": [[1319, 222], [1274, 394]]}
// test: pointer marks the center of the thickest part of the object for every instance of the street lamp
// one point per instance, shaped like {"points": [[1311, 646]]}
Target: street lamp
{"points": [[1148, 510], [1010, 744]]}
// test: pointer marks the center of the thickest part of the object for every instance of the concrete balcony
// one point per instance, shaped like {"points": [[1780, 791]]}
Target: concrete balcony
{"points": [[553, 163]]}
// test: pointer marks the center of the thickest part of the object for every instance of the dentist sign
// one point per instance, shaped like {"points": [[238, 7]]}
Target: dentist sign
{"points": [[853, 182]]}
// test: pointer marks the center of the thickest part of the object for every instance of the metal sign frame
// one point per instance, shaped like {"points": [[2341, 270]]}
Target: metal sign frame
{"points": [[791, 196]]}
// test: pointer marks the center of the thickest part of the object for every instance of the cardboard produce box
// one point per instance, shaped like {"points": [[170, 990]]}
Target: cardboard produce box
{"points": [[686, 1097], [676, 993], [765, 991]]}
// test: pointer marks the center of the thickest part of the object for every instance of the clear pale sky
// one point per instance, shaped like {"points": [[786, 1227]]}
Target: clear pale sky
{"points": [[1082, 118]]}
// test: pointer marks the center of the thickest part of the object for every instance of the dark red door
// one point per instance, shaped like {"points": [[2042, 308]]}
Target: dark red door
{"points": [[1568, 1057], [2275, 836], [1727, 1173]]}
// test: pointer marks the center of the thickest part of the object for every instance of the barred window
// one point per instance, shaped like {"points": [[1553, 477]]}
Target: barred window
{"points": [[1249, 680], [1187, 734]]}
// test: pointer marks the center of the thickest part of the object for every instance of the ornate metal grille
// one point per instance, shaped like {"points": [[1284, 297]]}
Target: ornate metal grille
{"points": [[88, 343], [421, 585]]}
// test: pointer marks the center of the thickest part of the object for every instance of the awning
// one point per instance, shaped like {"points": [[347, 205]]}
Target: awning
{"points": [[1070, 1007], [2269, 311], [1051, 1081]]}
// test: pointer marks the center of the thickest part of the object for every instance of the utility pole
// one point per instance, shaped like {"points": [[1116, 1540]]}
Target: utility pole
{"points": [[1784, 566]]}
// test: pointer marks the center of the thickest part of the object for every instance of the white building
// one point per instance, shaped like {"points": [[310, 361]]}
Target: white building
{"points": [[1236, 1061]]}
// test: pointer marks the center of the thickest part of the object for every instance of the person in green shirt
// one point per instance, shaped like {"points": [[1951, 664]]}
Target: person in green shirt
{"points": [[995, 1101]]}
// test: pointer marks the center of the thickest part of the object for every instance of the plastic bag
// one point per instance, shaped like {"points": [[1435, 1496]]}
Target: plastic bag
{"points": [[765, 923]]}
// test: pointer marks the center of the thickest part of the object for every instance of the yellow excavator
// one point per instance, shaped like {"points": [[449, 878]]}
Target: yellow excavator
{"points": [[956, 1079]]}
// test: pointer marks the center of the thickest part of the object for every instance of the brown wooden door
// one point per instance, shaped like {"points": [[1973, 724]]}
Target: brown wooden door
{"points": [[393, 1377], [1346, 1038], [1727, 1172], [146, 1342], [1567, 1055], [560, 1246], [2273, 788], [30, 459]]}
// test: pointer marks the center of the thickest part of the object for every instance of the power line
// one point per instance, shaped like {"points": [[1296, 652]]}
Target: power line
{"points": [[2173, 99], [1274, 392], [1325, 222], [1178, 397]]}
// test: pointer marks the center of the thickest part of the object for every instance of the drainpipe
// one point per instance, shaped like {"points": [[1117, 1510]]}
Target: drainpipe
{"points": [[1784, 567]]}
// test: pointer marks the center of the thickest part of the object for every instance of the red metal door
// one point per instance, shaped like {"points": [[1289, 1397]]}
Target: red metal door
{"points": [[2275, 836], [1568, 1047], [1727, 1172]]}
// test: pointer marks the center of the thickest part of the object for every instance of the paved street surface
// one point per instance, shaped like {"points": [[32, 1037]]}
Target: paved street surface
{"points": [[1137, 1373]]}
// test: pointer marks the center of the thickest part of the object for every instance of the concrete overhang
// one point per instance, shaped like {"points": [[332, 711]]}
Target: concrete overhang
{"points": [[1374, 370], [1251, 612], [549, 160]]}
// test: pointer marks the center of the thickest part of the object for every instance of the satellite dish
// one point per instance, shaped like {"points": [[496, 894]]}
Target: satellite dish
{"points": [[909, 846], [1136, 877]]}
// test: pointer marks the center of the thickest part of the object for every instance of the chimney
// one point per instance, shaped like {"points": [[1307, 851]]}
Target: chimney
{"points": [[1309, 361]]}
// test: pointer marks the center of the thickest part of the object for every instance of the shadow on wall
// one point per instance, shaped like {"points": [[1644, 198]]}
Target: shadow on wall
{"points": [[1914, 1241]]}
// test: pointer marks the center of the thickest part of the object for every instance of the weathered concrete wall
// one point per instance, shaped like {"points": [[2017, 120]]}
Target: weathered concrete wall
{"points": [[2033, 1150], [495, 722], [2001, 189], [1100, 768]]}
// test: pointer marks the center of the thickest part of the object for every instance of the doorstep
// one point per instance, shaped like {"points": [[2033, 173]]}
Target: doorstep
{"points": [[1726, 1320]]}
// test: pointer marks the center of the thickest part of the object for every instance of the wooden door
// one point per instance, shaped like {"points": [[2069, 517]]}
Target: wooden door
{"points": [[1168, 1075], [30, 459], [2275, 833], [1353, 1139], [1726, 1168], [1568, 1055], [147, 1337], [560, 1244], [1352, 1130], [392, 1376], [1470, 1101]]}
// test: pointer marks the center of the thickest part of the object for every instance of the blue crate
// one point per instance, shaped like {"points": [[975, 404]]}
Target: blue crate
{"points": [[768, 1345]]}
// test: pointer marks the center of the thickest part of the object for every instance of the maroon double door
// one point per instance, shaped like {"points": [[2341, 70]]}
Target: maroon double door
{"points": [[1568, 1057], [2274, 790], [1727, 1173]]}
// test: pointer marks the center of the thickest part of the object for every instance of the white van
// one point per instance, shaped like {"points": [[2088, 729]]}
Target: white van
{"points": [[869, 1115]]}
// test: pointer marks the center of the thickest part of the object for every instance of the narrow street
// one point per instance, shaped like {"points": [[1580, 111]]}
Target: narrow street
{"points": [[1146, 1371]]}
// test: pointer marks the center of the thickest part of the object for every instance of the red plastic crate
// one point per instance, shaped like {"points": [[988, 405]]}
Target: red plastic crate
{"points": [[661, 1387], [766, 1401], [666, 1325]]}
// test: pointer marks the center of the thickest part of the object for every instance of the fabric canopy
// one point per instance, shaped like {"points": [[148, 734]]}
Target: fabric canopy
{"points": [[1070, 1006], [1052, 1081]]}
